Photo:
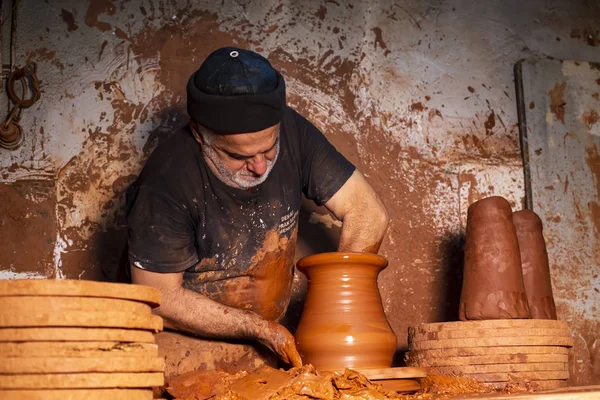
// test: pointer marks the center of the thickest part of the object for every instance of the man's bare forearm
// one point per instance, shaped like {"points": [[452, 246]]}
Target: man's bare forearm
{"points": [[363, 229], [185, 310], [363, 215]]}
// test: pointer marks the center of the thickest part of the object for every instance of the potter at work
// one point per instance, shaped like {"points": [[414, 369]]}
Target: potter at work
{"points": [[213, 216]]}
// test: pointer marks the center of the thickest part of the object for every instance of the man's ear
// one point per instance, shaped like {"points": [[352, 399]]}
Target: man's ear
{"points": [[195, 132]]}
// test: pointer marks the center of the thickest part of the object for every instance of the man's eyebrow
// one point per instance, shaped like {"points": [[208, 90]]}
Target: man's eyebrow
{"points": [[235, 155], [242, 156]]}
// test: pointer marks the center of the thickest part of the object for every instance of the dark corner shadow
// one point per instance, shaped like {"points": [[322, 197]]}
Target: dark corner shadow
{"points": [[452, 249], [111, 243]]}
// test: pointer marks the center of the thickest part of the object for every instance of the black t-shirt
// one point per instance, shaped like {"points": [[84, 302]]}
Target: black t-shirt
{"points": [[236, 246]]}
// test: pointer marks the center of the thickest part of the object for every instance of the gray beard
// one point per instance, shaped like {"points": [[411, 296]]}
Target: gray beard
{"points": [[235, 179]]}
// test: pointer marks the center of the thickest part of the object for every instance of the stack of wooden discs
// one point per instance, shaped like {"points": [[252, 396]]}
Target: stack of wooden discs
{"points": [[495, 352], [63, 339]]}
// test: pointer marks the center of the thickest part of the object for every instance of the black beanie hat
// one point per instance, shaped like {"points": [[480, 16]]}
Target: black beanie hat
{"points": [[236, 91]]}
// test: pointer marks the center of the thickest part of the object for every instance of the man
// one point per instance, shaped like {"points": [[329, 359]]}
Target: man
{"points": [[213, 216]]}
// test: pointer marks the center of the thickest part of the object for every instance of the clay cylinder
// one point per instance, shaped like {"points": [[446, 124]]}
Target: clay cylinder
{"points": [[343, 323], [534, 263], [493, 285]]}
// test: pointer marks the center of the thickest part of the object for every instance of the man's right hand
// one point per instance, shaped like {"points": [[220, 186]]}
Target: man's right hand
{"points": [[280, 341]]}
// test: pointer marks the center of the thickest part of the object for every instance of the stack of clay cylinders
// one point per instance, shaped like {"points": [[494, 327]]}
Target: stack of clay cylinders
{"points": [[506, 271], [508, 332], [66, 339]]}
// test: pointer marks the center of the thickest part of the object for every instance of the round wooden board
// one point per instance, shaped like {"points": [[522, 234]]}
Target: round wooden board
{"points": [[10, 319], [484, 333], [421, 361], [56, 287], [490, 324], [399, 385], [516, 376], [29, 304], [75, 394], [375, 374], [491, 368], [493, 341], [82, 381], [74, 335], [491, 350], [535, 385], [78, 349], [63, 365]]}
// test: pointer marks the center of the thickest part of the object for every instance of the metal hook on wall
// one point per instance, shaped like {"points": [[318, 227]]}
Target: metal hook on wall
{"points": [[11, 133]]}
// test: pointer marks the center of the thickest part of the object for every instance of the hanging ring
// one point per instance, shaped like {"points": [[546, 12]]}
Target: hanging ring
{"points": [[21, 73]]}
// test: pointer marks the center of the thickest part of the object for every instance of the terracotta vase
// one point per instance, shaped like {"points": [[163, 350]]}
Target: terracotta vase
{"points": [[343, 323], [534, 263], [493, 285]]}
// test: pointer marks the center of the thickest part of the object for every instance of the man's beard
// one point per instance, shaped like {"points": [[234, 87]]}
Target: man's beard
{"points": [[238, 179]]}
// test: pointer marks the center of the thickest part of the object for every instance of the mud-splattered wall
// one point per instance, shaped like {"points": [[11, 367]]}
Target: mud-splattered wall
{"points": [[419, 94]]}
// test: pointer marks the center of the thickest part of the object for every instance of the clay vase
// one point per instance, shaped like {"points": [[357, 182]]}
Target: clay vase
{"points": [[343, 323], [534, 263], [493, 286]]}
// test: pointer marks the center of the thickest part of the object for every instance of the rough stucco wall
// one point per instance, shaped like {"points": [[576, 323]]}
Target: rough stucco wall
{"points": [[562, 103], [419, 94]]}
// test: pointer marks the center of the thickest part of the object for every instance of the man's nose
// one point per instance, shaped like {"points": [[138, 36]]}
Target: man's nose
{"points": [[258, 165]]}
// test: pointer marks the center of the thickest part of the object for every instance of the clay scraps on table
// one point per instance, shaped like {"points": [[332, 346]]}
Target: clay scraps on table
{"points": [[269, 383]]}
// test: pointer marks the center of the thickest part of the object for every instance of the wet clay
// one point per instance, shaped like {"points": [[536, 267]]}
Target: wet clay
{"points": [[343, 323], [493, 286], [268, 383], [534, 262]]}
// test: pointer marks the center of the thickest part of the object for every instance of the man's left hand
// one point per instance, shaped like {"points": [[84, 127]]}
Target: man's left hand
{"points": [[281, 342]]}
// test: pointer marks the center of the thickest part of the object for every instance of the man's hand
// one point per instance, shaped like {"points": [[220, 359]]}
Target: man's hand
{"points": [[188, 311], [281, 342]]}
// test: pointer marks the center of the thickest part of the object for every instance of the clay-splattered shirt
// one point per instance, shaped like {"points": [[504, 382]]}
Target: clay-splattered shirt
{"points": [[236, 246]]}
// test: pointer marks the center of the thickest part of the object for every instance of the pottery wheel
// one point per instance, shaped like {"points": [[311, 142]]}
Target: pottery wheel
{"points": [[494, 351], [76, 288], [87, 394]]}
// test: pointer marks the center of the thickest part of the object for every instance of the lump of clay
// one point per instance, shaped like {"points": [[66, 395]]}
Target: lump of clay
{"points": [[534, 262], [493, 285]]}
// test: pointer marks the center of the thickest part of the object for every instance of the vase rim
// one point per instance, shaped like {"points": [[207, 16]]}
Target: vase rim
{"points": [[341, 257]]}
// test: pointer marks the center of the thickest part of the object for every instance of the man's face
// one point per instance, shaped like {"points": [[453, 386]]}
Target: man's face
{"points": [[243, 160]]}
